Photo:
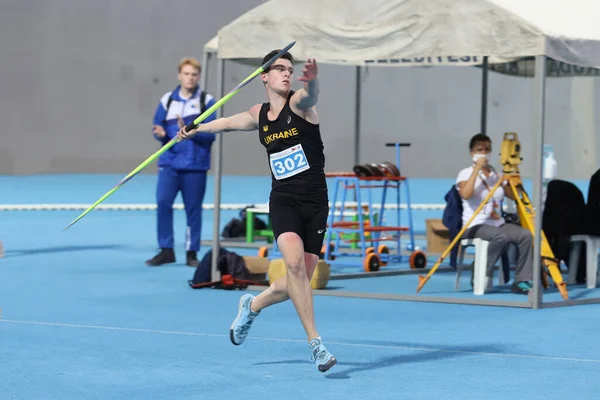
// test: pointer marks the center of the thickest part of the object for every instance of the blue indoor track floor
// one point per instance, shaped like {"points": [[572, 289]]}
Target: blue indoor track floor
{"points": [[84, 318]]}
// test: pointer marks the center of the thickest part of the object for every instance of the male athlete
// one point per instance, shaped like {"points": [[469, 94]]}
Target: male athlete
{"points": [[288, 127]]}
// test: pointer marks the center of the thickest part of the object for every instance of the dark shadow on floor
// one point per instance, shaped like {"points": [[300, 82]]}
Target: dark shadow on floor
{"points": [[59, 249], [420, 353]]}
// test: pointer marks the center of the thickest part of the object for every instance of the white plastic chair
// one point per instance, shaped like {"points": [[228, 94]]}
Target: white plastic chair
{"points": [[480, 281], [592, 243]]}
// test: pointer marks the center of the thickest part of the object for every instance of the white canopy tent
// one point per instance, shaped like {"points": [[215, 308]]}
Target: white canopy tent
{"points": [[408, 33], [352, 32]]}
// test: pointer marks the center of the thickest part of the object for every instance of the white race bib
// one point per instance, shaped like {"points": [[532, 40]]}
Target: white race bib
{"points": [[288, 162]]}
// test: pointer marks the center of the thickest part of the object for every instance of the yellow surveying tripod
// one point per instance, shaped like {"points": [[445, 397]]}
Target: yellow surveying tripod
{"points": [[510, 158]]}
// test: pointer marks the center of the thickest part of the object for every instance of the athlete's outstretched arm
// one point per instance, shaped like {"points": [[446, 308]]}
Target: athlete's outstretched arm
{"points": [[244, 121], [308, 96]]}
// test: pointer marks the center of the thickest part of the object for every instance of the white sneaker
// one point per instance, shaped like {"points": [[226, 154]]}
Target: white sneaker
{"points": [[242, 323]]}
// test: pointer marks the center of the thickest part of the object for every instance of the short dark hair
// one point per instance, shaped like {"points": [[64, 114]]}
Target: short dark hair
{"points": [[272, 54], [480, 137]]}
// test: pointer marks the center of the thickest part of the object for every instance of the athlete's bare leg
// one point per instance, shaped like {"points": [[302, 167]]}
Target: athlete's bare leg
{"points": [[278, 291], [297, 283]]}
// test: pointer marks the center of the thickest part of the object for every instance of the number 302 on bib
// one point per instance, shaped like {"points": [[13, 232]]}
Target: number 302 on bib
{"points": [[288, 162]]}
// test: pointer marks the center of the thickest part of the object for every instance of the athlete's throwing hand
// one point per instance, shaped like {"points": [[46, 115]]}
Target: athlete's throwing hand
{"points": [[310, 71]]}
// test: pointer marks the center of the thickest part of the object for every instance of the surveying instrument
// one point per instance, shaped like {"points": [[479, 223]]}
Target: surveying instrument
{"points": [[510, 158]]}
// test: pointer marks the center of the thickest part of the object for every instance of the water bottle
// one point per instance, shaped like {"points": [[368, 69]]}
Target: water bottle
{"points": [[549, 171], [550, 165]]}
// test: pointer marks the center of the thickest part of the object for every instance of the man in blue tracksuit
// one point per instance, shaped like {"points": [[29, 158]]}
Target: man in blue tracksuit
{"points": [[184, 166]]}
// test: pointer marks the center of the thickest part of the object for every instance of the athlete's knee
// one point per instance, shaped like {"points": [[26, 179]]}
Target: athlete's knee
{"points": [[295, 266]]}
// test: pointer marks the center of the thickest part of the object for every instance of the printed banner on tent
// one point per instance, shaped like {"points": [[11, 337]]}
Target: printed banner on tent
{"points": [[516, 67], [554, 69]]}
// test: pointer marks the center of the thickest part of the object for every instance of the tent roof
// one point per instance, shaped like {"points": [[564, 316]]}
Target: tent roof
{"points": [[413, 32], [212, 45]]}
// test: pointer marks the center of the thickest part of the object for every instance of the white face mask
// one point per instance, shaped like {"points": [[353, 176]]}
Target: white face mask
{"points": [[478, 156]]}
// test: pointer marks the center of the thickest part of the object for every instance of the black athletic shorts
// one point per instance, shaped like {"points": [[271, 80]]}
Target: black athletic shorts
{"points": [[307, 218]]}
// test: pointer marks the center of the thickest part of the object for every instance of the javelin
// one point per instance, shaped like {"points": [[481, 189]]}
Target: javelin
{"points": [[188, 127]]}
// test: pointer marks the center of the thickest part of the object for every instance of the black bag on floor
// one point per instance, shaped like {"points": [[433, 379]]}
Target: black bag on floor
{"points": [[237, 226], [232, 267]]}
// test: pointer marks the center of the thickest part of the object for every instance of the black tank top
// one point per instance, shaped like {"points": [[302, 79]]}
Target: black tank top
{"points": [[294, 152]]}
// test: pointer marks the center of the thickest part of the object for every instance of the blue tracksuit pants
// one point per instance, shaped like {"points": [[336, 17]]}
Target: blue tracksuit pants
{"points": [[192, 185]]}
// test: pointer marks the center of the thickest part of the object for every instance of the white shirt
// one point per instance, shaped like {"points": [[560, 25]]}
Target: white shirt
{"points": [[480, 192]]}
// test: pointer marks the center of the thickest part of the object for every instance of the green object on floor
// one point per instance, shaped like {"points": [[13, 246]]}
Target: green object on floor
{"points": [[251, 233]]}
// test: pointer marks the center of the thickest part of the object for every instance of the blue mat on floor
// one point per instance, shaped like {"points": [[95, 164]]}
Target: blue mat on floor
{"points": [[84, 318]]}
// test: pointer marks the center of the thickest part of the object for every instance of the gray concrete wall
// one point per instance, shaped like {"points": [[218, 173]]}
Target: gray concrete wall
{"points": [[81, 79]]}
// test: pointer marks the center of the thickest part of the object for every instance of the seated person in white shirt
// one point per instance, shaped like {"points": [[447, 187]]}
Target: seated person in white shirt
{"points": [[473, 184]]}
